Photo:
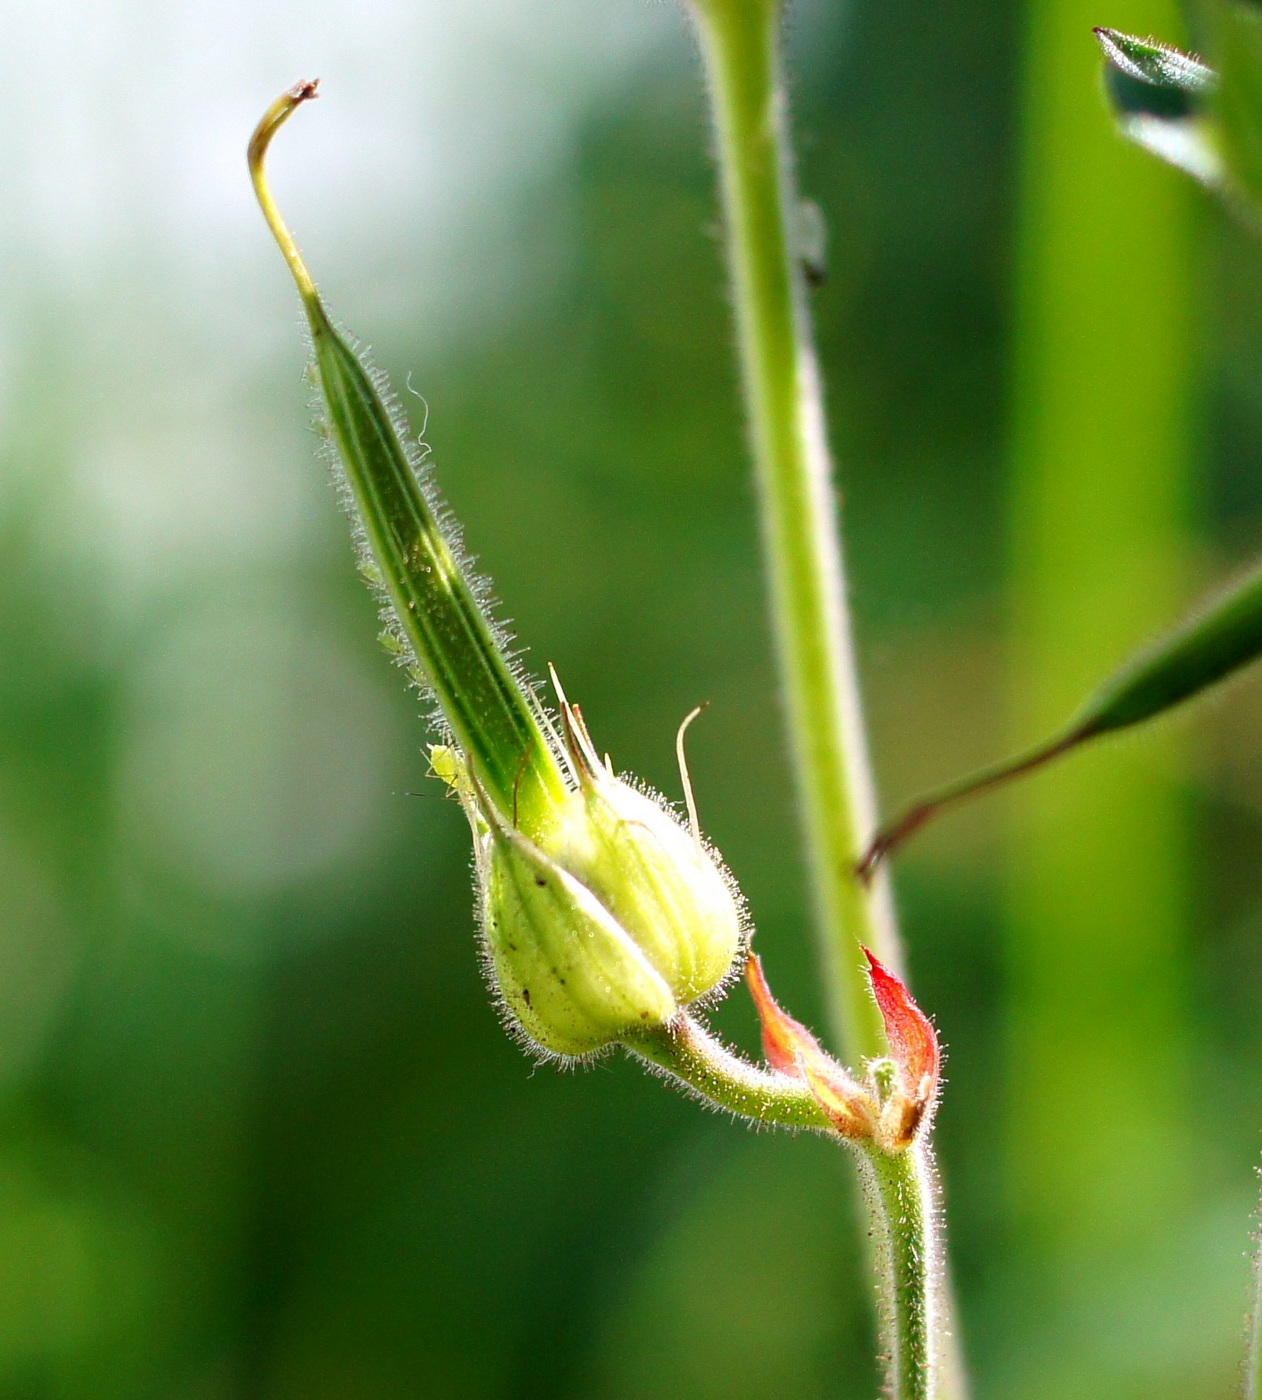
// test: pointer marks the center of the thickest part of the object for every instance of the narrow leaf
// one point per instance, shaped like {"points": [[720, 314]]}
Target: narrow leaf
{"points": [[1218, 639], [441, 626], [1160, 98]]}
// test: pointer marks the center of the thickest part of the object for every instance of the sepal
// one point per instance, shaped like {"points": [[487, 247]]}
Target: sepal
{"points": [[894, 1104]]}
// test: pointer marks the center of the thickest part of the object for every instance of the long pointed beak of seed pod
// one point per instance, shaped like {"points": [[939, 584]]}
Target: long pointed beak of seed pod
{"points": [[273, 119], [444, 634]]}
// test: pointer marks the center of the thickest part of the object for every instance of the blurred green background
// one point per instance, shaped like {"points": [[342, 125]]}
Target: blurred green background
{"points": [[260, 1132]]}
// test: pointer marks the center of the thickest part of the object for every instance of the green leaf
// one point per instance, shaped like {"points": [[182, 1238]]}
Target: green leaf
{"points": [[1216, 640], [1207, 647], [1162, 100]]}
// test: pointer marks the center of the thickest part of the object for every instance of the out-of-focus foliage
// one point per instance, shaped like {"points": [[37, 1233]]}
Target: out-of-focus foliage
{"points": [[262, 1135]]}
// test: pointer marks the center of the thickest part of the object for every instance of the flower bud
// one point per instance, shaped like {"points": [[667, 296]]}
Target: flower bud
{"points": [[656, 878]]}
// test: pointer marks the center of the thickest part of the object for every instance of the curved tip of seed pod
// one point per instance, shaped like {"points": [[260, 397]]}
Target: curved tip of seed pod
{"points": [[272, 120], [305, 90]]}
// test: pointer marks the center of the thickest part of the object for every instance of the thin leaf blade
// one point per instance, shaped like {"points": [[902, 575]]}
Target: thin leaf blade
{"points": [[1161, 99], [1211, 644]]}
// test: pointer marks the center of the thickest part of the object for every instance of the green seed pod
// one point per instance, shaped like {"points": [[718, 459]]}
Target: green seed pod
{"points": [[1203, 650], [570, 975], [601, 915], [437, 623], [609, 922]]}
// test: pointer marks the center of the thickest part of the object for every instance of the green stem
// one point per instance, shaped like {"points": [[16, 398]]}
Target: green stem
{"points": [[899, 1189], [900, 1194], [892, 836], [1253, 1362], [739, 42], [798, 512], [690, 1054]]}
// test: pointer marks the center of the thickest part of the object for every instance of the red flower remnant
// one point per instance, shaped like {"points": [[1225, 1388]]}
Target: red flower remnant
{"points": [[791, 1049], [913, 1040], [890, 1109], [784, 1040], [914, 1049]]}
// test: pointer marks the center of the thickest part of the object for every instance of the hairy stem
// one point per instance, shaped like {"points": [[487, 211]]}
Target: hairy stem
{"points": [[901, 1197], [1253, 1359], [689, 1053], [739, 42]]}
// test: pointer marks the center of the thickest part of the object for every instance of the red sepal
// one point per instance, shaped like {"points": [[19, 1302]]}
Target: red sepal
{"points": [[784, 1040], [912, 1038], [791, 1049]]}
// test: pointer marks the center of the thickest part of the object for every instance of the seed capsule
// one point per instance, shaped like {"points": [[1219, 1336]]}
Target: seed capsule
{"points": [[569, 973], [656, 878], [601, 915], [439, 626], [612, 919]]}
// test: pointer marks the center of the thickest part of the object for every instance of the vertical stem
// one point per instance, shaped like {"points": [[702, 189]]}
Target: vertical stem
{"points": [[739, 42], [1099, 881], [740, 48], [901, 1199], [1253, 1362]]}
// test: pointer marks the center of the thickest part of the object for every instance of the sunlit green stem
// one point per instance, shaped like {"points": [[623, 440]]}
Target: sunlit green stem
{"points": [[901, 1197], [740, 46], [689, 1053], [739, 41]]}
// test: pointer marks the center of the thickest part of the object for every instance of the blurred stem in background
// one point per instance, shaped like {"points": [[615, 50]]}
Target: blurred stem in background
{"points": [[1099, 880]]}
